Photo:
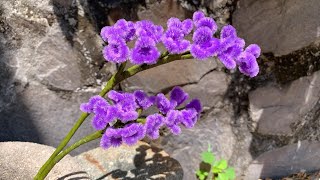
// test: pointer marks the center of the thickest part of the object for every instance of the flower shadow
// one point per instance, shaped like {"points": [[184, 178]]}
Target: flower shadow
{"points": [[149, 163]]}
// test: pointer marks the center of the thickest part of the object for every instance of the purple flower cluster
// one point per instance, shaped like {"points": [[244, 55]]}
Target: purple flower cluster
{"points": [[173, 38], [229, 48], [124, 108]]}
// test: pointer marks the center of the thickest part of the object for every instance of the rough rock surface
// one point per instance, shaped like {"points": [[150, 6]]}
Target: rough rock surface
{"points": [[279, 27], [140, 161], [170, 75], [276, 109], [300, 157], [22, 160], [49, 63]]}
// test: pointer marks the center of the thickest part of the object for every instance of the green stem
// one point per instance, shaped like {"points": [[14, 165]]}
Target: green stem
{"points": [[84, 140], [114, 80]]}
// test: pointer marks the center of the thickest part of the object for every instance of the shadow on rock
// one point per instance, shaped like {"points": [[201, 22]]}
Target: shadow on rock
{"points": [[159, 166], [16, 123]]}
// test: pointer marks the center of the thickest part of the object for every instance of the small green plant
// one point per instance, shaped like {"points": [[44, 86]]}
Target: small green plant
{"points": [[218, 170]]}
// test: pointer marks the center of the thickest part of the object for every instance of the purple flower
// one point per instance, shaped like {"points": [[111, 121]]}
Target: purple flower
{"points": [[230, 47], [116, 51], [204, 45], [163, 104], [185, 26], [227, 61], [121, 29], [254, 50], [110, 32], [147, 28], [207, 22], [126, 105], [174, 42], [153, 124], [172, 121], [205, 50], [248, 64], [132, 133], [103, 114], [178, 95], [197, 16], [111, 138], [188, 117], [145, 51], [143, 100], [88, 107], [195, 104], [127, 27], [127, 109], [228, 31]]}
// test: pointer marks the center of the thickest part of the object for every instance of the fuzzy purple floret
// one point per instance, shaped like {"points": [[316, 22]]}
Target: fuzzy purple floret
{"points": [[173, 38], [88, 107], [188, 117], [254, 50], [116, 51], [147, 28], [132, 133], [197, 16], [143, 100], [111, 138], [178, 95], [121, 29], [153, 124], [207, 22], [164, 105], [145, 51], [248, 64], [195, 104], [172, 121]]}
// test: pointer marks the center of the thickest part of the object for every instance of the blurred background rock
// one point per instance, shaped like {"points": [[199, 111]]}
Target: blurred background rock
{"points": [[50, 62]]}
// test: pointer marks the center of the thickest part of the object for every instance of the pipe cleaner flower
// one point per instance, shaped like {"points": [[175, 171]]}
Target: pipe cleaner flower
{"points": [[121, 29], [164, 105], [147, 28], [172, 121], [204, 45], [145, 51], [143, 100], [132, 133], [116, 51], [248, 64], [153, 124], [178, 95], [111, 138]]}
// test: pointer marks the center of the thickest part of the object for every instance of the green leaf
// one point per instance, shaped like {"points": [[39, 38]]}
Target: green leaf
{"points": [[198, 172], [230, 173], [216, 170], [207, 157], [222, 164], [201, 174], [222, 176]]}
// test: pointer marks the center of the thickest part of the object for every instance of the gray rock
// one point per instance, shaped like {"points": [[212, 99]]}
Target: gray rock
{"points": [[279, 27], [210, 89], [169, 75], [139, 161], [276, 109], [300, 157], [22, 160], [49, 54]]}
